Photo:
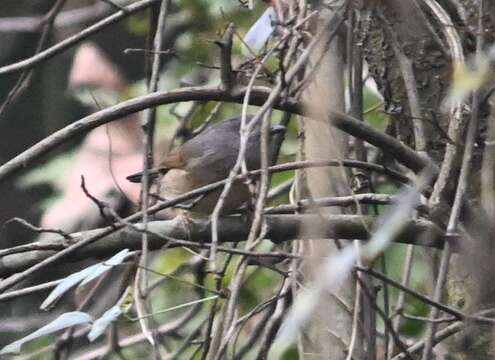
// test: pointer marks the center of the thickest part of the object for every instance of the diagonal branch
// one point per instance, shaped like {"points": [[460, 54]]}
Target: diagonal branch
{"points": [[75, 39]]}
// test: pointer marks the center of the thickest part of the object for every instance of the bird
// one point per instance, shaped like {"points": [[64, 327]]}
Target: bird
{"points": [[206, 158]]}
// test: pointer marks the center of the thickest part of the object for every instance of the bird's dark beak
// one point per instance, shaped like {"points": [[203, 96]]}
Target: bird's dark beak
{"points": [[135, 178], [153, 174]]}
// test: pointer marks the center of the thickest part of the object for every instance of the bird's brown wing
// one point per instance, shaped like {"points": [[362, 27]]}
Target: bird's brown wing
{"points": [[173, 160]]}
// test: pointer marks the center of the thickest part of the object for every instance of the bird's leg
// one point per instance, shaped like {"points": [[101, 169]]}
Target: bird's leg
{"points": [[186, 222], [247, 213]]}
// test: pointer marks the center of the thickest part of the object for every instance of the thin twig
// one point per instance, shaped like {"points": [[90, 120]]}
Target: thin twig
{"points": [[148, 126], [386, 320], [75, 39], [70, 17], [401, 298], [225, 44], [36, 229], [341, 201], [23, 81], [410, 83], [407, 290]]}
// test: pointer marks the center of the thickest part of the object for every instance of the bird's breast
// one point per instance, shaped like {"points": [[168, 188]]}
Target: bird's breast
{"points": [[177, 182]]}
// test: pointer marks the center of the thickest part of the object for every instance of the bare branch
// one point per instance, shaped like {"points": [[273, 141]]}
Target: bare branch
{"points": [[75, 39], [279, 228], [225, 44]]}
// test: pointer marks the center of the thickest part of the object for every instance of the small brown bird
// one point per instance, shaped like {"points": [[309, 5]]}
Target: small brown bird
{"points": [[207, 158]]}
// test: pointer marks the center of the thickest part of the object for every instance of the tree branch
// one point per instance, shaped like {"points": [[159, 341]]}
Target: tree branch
{"points": [[388, 144], [75, 39], [280, 228]]}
